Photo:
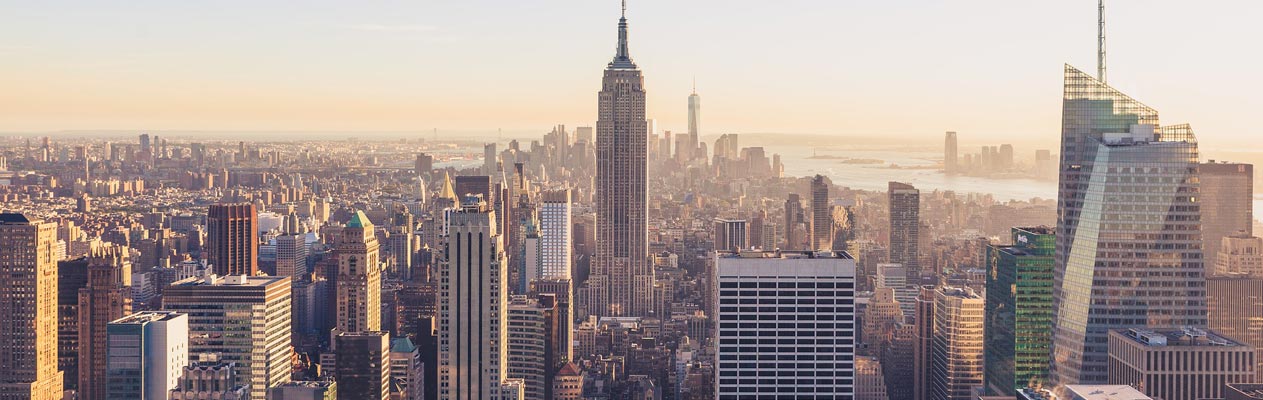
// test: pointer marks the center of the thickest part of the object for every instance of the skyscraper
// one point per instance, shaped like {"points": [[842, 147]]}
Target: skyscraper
{"points": [[363, 367], [730, 234], [232, 236], [1235, 304], [822, 285], [695, 118], [923, 344], [793, 219], [821, 218], [1128, 237], [472, 303], [956, 355], [555, 228], [1019, 310], [489, 162], [107, 297], [291, 256], [28, 341], [527, 345], [147, 355], [1227, 197], [905, 226], [359, 277], [949, 153], [255, 308], [620, 271]]}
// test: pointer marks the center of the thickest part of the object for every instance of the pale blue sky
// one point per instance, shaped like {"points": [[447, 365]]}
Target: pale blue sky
{"points": [[986, 68]]}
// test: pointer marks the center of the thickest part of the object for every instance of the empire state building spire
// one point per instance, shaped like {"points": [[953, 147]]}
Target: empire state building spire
{"points": [[622, 57]]}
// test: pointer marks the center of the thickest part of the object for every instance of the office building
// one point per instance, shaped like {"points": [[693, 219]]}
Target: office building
{"points": [[1019, 310], [363, 367], [1178, 364], [1239, 254], [1227, 204], [905, 227], [1235, 304], [794, 221], [528, 345], [490, 163], [730, 234], [232, 239], [821, 218], [424, 164], [105, 298], [956, 352], [621, 276], [949, 153], [1116, 164], [773, 304], [72, 275], [475, 185], [359, 277], [923, 343], [28, 343], [209, 378], [258, 307], [472, 304], [406, 370], [880, 318], [895, 277], [304, 390], [562, 349], [555, 227], [291, 256], [147, 354]]}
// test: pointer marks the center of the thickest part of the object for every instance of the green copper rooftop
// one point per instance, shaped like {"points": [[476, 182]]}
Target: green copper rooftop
{"points": [[359, 220]]}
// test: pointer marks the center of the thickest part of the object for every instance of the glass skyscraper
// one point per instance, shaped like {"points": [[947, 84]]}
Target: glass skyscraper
{"points": [[1019, 310], [1128, 231]]}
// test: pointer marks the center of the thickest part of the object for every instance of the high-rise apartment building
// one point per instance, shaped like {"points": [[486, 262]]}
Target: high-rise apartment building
{"points": [[147, 354], [28, 341], [949, 153], [232, 239], [1235, 304], [821, 218], [956, 352], [472, 303], [555, 226], [359, 276], [105, 298], [772, 305], [255, 308], [363, 367], [905, 227], [1227, 204], [527, 345], [730, 234], [1121, 262], [621, 275], [1179, 364], [1019, 310]]}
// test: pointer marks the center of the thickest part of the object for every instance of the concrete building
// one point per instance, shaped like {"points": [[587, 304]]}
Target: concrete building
{"points": [[1235, 304], [363, 367], [730, 234], [232, 239], [1103, 392], [528, 346], [1019, 316], [472, 302], [621, 276], [895, 277], [1183, 364], [147, 353], [905, 228], [291, 256], [1239, 253], [869, 383], [261, 352], [359, 277], [956, 352], [562, 349], [1227, 200], [568, 383], [105, 298], [801, 301], [28, 344], [210, 379]]}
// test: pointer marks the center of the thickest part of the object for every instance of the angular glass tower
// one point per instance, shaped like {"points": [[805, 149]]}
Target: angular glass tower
{"points": [[1019, 310], [1128, 230]]}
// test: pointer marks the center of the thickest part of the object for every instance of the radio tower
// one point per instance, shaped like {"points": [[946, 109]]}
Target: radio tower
{"points": [[1100, 41]]}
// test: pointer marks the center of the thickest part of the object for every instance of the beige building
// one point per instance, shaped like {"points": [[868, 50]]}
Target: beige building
{"points": [[568, 383], [1181, 364], [869, 382], [359, 277], [1240, 254], [956, 349], [28, 342], [256, 306], [1235, 305], [106, 298], [472, 304]]}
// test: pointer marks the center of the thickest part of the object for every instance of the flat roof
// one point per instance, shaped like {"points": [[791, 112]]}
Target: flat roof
{"points": [[1183, 337], [784, 254], [1106, 392], [147, 316]]}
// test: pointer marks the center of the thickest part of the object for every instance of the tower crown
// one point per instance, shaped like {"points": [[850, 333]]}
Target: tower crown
{"points": [[622, 56]]}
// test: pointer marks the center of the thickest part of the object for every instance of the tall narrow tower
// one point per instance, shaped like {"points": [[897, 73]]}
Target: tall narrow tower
{"points": [[359, 277], [621, 276], [695, 116], [1100, 40]]}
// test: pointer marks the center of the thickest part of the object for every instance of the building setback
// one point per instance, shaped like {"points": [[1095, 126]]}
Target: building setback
{"points": [[1182, 364]]}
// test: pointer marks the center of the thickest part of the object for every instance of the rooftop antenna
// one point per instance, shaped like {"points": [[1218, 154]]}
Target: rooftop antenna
{"points": [[624, 8], [1100, 41], [694, 84]]}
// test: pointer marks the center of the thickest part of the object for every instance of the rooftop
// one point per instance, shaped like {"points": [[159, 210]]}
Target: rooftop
{"points": [[1250, 390], [1105, 392], [784, 254], [1186, 337], [13, 218], [147, 316]]}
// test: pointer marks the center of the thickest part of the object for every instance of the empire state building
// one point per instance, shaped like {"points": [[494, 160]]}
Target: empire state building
{"points": [[621, 280]]}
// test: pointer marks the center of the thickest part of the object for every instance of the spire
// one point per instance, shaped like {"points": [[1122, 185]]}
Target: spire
{"points": [[448, 192], [694, 84], [622, 56], [1100, 41]]}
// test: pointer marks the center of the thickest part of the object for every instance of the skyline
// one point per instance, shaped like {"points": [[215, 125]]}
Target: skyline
{"points": [[339, 68]]}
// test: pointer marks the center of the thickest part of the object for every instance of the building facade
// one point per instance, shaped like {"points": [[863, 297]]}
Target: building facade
{"points": [[1019, 310], [232, 239], [555, 225], [472, 306], [905, 228], [147, 354], [106, 297], [1227, 197], [359, 277], [363, 367], [1181, 364], [1235, 304], [956, 352], [773, 304], [28, 344]]}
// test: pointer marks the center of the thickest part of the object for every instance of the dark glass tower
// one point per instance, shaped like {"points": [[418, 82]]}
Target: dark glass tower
{"points": [[1019, 310], [1128, 227]]}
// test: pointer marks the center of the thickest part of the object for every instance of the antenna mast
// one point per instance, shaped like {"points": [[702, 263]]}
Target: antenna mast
{"points": [[1100, 41]]}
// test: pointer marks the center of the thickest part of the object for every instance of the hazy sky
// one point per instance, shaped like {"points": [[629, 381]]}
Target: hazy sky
{"points": [[986, 68]]}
